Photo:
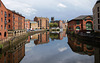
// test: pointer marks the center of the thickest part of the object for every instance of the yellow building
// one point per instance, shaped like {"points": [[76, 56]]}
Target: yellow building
{"points": [[34, 25]]}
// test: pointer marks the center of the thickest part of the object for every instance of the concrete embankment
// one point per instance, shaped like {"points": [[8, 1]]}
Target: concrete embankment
{"points": [[18, 39]]}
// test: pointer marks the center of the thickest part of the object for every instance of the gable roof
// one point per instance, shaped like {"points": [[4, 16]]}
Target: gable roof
{"points": [[83, 17]]}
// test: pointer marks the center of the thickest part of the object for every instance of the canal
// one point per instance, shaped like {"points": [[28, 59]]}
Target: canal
{"points": [[51, 47]]}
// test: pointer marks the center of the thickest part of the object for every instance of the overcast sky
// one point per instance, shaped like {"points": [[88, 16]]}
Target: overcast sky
{"points": [[60, 9]]}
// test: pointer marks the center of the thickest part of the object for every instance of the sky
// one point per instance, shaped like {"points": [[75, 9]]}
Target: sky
{"points": [[59, 9]]}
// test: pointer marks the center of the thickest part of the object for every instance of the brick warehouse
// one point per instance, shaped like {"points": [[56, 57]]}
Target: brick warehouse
{"points": [[81, 23], [15, 21], [10, 21], [3, 21], [96, 16], [43, 23]]}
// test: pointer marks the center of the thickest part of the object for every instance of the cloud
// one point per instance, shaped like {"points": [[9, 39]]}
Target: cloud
{"points": [[62, 49], [23, 8], [61, 5]]}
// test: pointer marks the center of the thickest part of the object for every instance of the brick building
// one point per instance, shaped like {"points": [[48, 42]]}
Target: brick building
{"points": [[79, 47], [96, 16], [15, 21], [42, 38], [3, 21], [43, 23], [61, 24], [27, 24], [83, 22], [34, 25]]}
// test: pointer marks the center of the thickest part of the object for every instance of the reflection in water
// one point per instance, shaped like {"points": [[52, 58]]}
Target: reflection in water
{"points": [[13, 55], [81, 48], [73, 52], [42, 38], [57, 35]]}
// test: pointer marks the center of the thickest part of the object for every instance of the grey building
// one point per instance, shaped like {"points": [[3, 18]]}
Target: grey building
{"points": [[96, 16]]}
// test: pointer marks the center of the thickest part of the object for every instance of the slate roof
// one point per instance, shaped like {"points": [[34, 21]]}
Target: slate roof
{"points": [[82, 17]]}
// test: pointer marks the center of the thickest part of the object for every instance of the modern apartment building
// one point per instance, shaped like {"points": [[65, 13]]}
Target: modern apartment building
{"points": [[81, 23], [3, 21], [43, 22], [96, 16]]}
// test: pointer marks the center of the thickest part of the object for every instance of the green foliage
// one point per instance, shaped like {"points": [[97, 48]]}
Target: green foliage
{"points": [[53, 24], [1, 46], [53, 35]]}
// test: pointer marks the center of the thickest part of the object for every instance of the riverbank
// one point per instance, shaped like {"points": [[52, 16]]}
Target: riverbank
{"points": [[17, 39]]}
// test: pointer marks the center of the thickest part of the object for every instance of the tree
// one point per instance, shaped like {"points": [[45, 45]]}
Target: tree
{"points": [[55, 25], [51, 24]]}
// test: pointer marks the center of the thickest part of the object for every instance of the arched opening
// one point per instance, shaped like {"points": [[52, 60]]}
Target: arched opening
{"points": [[77, 28], [5, 34], [89, 26], [0, 33]]}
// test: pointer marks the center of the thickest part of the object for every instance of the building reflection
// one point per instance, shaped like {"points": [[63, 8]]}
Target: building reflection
{"points": [[42, 38], [79, 47], [14, 54], [57, 35]]}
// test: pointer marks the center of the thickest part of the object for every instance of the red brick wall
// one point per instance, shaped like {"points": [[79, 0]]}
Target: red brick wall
{"points": [[2, 23], [27, 24]]}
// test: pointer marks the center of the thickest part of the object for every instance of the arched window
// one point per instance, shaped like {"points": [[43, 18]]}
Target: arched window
{"points": [[0, 33], [89, 26], [5, 34], [77, 28]]}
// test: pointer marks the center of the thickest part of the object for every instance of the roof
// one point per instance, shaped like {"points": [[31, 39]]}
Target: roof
{"points": [[42, 17], [83, 17], [33, 22], [98, 2]]}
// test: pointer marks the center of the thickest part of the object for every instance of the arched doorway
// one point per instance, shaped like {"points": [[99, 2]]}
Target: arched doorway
{"points": [[77, 28], [89, 26], [5, 34]]}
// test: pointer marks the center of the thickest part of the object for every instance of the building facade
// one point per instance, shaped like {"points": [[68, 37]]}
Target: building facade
{"points": [[15, 21], [27, 24], [81, 23], [61, 24], [96, 16], [34, 25], [3, 21], [43, 23]]}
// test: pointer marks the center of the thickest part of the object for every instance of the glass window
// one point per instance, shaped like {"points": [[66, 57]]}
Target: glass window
{"points": [[1, 26], [0, 4], [98, 27]]}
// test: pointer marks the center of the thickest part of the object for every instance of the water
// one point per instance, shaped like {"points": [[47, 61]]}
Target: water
{"points": [[52, 47]]}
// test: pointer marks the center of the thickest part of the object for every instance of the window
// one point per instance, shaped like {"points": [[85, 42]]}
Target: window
{"points": [[1, 12], [98, 9], [0, 33], [77, 28], [5, 34], [8, 15], [9, 26], [9, 20], [1, 19], [1, 26], [98, 15], [98, 27], [98, 21]]}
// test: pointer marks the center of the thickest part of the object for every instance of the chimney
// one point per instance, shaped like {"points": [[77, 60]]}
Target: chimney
{"points": [[52, 18]]}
